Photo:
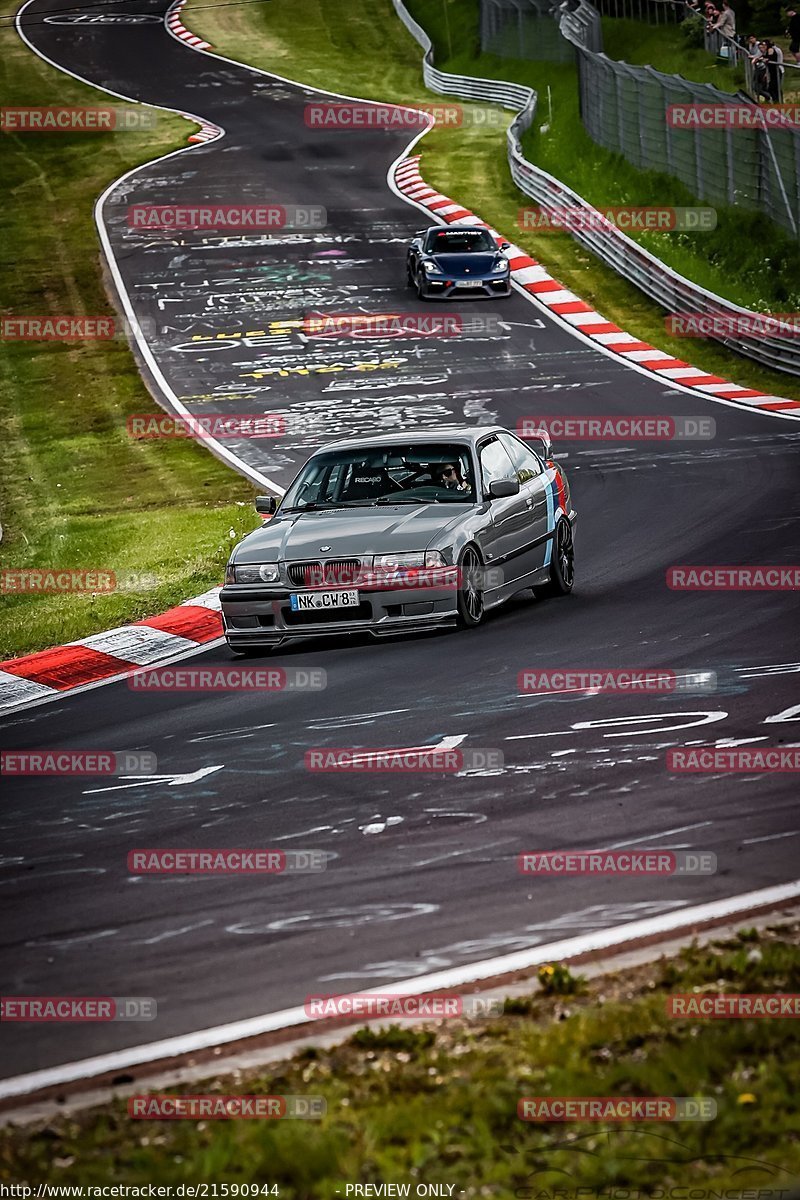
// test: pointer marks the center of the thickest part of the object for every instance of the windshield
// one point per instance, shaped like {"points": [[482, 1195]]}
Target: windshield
{"points": [[461, 241], [365, 477]]}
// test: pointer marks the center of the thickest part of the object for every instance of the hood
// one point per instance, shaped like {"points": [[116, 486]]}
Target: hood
{"points": [[350, 533], [466, 264]]}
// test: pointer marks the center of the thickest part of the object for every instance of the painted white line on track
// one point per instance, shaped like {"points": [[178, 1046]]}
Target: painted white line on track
{"points": [[651, 836], [771, 837], [506, 964]]}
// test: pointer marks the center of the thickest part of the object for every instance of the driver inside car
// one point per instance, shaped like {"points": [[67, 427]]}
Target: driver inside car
{"points": [[449, 476]]}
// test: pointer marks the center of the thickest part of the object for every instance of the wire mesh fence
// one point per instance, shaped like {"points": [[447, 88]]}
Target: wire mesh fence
{"points": [[627, 108], [722, 157], [654, 12], [580, 25], [522, 29]]}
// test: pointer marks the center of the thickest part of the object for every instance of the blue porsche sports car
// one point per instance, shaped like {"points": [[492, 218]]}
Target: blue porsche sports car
{"points": [[461, 260]]}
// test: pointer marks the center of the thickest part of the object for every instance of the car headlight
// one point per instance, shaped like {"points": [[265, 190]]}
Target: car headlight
{"points": [[431, 268], [254, 573], [407, 561], [502, 266]]}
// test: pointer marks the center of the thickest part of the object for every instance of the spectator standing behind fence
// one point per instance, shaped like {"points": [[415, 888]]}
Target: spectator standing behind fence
{"points": [[773, 60], [725, 23], [760, 73], [793, 33]]}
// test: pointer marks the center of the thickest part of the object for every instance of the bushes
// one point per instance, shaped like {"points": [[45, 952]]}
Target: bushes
{"points": [[692, 32]]}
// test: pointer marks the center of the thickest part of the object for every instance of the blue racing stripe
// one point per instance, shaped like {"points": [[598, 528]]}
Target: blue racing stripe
{"points": [[551, 517]]}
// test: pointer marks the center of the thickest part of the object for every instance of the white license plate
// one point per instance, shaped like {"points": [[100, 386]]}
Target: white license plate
{"points": [[469, 283], [311, 601]]}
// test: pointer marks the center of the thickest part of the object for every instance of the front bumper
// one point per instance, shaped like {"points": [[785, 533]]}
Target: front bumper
{"points": [[262, 616], [446, 289]]}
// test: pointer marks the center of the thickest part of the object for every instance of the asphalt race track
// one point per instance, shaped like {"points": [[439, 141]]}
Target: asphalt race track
{"points": [[422, 873]]}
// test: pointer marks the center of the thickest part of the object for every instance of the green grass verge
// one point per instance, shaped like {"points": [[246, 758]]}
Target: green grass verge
{"points": [[438, 1104], [663, 47], [363, 50], [76, 491]]}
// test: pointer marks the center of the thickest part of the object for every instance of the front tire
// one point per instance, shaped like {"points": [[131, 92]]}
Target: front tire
{"points": [[470, 592], [562, 564]]}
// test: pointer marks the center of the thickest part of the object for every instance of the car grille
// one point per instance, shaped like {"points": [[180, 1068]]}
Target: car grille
{"points": [[335, 572]]}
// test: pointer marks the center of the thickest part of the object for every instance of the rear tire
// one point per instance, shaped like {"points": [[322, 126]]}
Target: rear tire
{"points": [[470, 592], [562, 564]]}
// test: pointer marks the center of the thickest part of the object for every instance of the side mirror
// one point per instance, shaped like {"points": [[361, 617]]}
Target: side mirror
{"points": [[540, 442], [505, 245], [503, 487], [266, 505]]}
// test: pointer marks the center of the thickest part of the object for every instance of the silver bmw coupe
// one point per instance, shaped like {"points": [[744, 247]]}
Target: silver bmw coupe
{"points": [[400, 533]]}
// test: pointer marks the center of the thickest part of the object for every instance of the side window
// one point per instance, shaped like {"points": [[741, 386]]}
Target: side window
{"points": [[495, 464], [526, 464]]}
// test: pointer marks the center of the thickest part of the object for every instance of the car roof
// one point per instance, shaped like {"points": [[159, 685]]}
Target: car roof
{"points": [[457, 228], [463, 433]]}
